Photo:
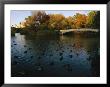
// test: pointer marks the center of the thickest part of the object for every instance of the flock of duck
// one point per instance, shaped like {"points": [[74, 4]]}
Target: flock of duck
{"points": [[39, 66]]}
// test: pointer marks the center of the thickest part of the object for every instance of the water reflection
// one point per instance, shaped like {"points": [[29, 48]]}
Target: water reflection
{"points": [[47, 55]]}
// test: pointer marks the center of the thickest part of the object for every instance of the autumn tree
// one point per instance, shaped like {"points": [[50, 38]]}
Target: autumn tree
{"points": [[70, 22], [28, 21], [36, 20], [57, 21], [80, 20]]}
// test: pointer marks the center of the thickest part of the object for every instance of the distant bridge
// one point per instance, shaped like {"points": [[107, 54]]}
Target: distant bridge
{"points": [[78, 30]]}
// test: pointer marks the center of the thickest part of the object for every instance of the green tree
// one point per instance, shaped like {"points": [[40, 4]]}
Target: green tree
{"points": [[93, 19], [97, 20]]}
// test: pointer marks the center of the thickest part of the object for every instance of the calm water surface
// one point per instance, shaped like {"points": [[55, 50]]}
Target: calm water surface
{"points": [[50, 55]]}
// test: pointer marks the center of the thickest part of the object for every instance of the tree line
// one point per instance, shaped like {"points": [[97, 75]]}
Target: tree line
{"points": [[41, 20]]}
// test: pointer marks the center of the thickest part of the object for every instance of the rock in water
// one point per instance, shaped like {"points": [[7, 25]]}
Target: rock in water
{"points": [[31, 56], [52, 63], [70, 50], [61, 54], [77, 54], [25, 51], [15, 56], [25, 46], [15, 44], [51, 55], [61, 58], [30, 48], [39, 57], [70, 56], [69, 69]]}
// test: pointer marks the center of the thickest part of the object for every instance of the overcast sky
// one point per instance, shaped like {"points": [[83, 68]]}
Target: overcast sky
{"points": [[19, 15]]}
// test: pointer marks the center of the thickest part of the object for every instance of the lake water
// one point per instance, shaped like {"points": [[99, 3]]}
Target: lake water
{"points": [[55, 56]]}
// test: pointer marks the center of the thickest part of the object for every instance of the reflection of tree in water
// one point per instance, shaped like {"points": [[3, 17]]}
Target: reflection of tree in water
{"points": [[93, 51], [41, 44], [78, 44], [94, 55], [91, 46]]}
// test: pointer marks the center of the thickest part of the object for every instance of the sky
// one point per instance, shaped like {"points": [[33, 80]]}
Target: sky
{"points": [[18, 16]]}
